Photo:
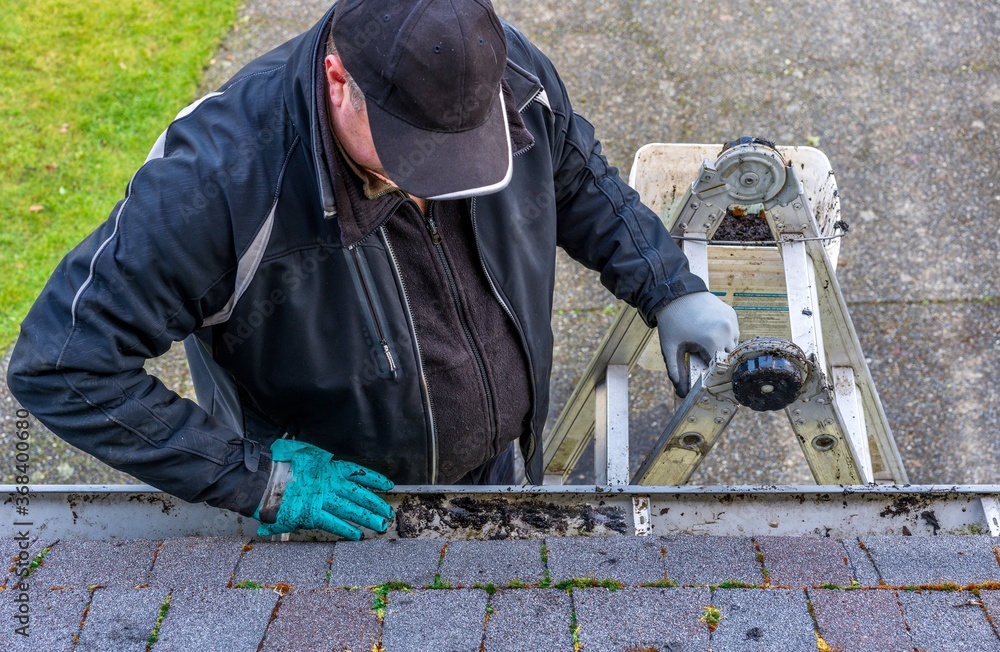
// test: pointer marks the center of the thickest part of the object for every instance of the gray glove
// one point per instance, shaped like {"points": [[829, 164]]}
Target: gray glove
{"points": [[700, 324]]}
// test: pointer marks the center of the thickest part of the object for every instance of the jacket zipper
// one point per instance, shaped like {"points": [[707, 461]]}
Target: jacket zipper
{"points": [[453, 289], [520, 332], [521, 110], [420, 359], [361, 275]]}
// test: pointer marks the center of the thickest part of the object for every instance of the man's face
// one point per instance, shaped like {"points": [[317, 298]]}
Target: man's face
{"points": [[350, 122]]}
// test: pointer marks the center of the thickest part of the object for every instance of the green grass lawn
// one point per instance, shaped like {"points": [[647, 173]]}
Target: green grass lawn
{"points": [[85, 89]]}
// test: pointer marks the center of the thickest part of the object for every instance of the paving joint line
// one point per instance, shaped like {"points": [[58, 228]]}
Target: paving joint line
{"points": [[574, 624], [849, 562], [986, 612], [486, 620], [39, 559], [161, 615], [711, 603], [329, 565], [438, 583]]}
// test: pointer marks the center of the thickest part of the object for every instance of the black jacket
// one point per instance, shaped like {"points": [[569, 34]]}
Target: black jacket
{"points": [[229, 229]]}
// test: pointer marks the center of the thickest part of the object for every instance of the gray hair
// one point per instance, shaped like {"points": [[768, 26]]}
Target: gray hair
{"points": [[356, 95]]}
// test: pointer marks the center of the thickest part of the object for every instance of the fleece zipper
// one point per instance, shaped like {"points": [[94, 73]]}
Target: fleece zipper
{"points": [[476, 353]]}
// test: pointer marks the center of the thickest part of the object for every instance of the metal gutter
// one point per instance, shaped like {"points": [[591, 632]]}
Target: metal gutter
{"points": [[463, 512]]}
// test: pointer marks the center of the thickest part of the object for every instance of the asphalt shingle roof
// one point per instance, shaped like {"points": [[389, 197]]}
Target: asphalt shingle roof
{"points": [[610, 593]]}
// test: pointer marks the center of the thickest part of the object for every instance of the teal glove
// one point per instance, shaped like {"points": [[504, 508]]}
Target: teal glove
{"points": [[699, 324], [325, 494]]}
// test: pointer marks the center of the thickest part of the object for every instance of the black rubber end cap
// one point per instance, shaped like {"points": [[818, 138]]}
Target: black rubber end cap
{"points": [[767, 383]]}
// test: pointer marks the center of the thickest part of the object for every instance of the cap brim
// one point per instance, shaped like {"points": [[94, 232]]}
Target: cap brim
{"points": [[438, 165]]}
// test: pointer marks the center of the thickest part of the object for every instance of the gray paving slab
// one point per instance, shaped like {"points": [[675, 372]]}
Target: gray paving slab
{"points": [[53, 619], [642, 618], [862, 568], [492, 562], [956, 261], [323, 619], [762, 619], [904, 561], [691, 559], [122, 563], [529, 619], [845, 31], [756, 448], [953, 263], [804, 561], [937, 367], [435, 620], [301, 565], [223, 620], [630, 560], [860, 620], [120, 620], [196, 562], [261, 26], [374, 562], [947, 621]]}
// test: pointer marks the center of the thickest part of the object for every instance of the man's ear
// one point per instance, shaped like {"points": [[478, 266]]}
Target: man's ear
{"points": [[336, 80]]}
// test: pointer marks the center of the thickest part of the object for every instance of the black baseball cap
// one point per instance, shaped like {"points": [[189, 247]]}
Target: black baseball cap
{"points": [[430, 71]]}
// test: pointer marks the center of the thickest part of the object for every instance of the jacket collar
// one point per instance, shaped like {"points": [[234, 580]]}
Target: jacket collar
{"points": [[305, 78]]}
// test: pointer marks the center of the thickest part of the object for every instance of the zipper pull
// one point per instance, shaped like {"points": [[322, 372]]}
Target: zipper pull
{"points": [[388, 357], [432, 226]]}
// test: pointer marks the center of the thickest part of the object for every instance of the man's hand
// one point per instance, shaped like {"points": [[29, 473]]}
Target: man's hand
{"points": [[325, 494], [700, 324]]}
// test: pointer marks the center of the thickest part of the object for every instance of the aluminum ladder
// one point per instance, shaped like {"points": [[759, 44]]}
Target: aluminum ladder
{"points": [[799, 351]]}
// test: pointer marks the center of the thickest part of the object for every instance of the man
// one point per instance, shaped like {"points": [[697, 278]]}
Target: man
{"points": [[355, 237]]}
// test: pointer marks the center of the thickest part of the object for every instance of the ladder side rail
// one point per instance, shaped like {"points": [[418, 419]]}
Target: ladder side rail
{"points": [[690, 435], [567, 440], [700, 419], [623, 344], [848, 397], [611, 446], [844, 350], [792, 220]]}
